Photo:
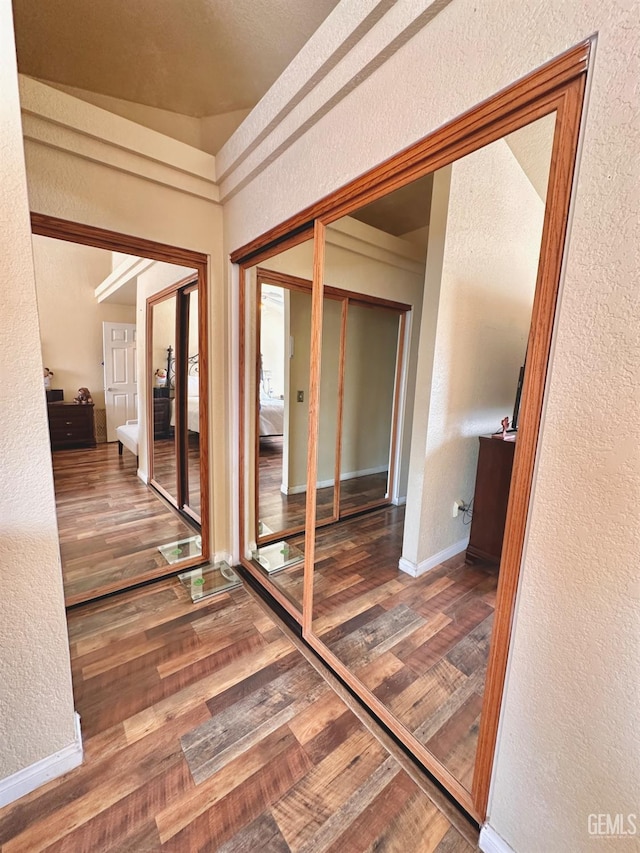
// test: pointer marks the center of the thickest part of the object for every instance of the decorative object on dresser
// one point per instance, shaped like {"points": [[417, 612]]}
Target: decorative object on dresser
{"points": [[490, 499], [54, 395], [84, 397], [71, 425]]}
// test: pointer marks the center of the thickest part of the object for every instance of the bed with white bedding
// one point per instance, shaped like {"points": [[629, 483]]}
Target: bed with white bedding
{"points": [[193, 405], [271, 416]]}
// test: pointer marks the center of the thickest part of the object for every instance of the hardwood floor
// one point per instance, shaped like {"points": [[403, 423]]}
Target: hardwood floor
{"points": [[110, 524], [421, 645], [205, 729], [286, 512]]}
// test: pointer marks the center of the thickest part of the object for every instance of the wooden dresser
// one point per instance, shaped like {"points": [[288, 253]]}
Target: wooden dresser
{"points": [[490, 499], [71, 425], [161, 417]]}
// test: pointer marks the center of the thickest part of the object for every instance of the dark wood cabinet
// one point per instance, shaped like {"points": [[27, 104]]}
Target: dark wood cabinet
{"points": [[161, 417], [490, 499], [71, 425]]}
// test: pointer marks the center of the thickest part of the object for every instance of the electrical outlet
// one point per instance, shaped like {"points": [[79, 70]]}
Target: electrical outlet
{"points": [[458, 507], [300, 397]]}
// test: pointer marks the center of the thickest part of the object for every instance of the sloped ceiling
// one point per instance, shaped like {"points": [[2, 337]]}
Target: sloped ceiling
{"points": [[193, 57]]}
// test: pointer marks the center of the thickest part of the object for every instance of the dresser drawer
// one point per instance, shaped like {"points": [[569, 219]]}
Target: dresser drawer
{"points": [[71, 425]]}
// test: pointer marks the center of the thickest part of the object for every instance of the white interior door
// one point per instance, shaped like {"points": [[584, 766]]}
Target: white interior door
{"points": [[120, 375]]}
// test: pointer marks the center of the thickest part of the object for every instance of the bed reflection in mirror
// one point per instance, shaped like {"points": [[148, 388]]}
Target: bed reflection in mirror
{"points": [[397, 597]]}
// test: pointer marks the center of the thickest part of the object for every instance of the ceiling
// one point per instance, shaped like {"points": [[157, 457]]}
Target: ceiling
{"points": [[402, 211], [193, 57]]}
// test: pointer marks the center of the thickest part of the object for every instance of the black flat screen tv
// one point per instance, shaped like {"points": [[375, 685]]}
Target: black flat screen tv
{"points": [[516, 405]]}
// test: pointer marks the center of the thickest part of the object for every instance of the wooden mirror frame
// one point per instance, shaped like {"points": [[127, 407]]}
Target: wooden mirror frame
{"points": [[557, 87], [113, 241]]}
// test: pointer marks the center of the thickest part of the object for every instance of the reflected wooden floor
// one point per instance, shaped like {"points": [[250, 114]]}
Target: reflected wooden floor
{"points": [[205, 729], [421, 645], [286, 512], [165, 469], [110, 524]]}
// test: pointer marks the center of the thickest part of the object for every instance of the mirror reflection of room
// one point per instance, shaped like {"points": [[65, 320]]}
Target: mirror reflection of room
{"points": [[163, 448], [112, 525], [404, 596], [362, 350], [276, 355], [176, 388]]}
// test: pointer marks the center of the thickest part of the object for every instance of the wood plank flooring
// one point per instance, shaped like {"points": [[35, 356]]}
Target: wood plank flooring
{"points": [[287, 512], [110, 524], [205, 729], [421, 645]]}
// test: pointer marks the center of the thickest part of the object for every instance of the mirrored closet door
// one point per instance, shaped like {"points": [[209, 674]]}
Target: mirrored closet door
{"points": [[434, 280], [362, 358], [174, 397]]}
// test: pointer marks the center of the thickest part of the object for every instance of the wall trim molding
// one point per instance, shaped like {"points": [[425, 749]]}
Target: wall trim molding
{"points": [[491, 842], [417, 569], [335, 61], [54, 119], [122, 275], [361, 239], [29, 778]]}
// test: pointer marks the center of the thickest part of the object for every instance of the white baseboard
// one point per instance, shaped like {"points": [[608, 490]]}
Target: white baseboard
{"points": [[417, 569], [29, 778], [142, 476], [325, 484], [223, 557], [400, 500], [491, 842]]}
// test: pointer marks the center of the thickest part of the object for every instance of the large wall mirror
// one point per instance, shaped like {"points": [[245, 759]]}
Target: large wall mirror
{"points": [[176, 395], [127, 462], [363, 367], [410, 421]]}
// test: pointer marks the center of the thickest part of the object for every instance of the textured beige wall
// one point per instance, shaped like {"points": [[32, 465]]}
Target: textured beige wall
{"points": [[567, 745], [489, 265], [36, 703], [70, 316]]}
